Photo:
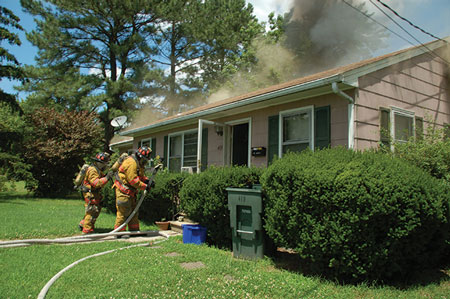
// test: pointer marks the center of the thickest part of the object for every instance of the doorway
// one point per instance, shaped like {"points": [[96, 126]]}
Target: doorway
{"points": [[239, 145]]}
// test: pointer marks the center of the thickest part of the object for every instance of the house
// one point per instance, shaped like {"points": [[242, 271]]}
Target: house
{"points": [[122, 144], [401, 93]]}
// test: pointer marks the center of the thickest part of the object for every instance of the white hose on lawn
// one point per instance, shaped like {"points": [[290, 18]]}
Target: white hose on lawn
{"points": [[45, 289], [78, 239]]}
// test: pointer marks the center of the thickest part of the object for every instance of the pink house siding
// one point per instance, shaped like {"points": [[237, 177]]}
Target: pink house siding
{"points": [[259, 126], [408, 82], [418, 85]]}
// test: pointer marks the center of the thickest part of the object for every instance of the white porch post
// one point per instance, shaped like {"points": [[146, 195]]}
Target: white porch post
{"points": [[199, 144]]}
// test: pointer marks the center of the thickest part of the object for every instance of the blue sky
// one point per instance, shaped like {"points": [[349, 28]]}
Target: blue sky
{"points": [[431, 15]]}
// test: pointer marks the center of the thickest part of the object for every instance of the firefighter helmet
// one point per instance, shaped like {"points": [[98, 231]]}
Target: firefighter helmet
{"points": [[144, 152], [102, 157]]}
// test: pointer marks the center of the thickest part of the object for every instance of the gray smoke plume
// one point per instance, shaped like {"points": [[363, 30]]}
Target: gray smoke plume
{"points": [[319, 35], [329, 33]]}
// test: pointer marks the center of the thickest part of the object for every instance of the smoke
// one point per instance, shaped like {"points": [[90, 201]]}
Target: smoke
{"points": [[275, 64], [331, 33], [145, 116], [319, 35]]}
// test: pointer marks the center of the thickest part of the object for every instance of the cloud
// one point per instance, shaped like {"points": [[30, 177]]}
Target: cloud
{"points": [[98, 72], [262, 8]]}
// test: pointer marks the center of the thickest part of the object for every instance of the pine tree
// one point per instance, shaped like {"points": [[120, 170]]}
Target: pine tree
{"points": [[9, 67], [12, 124], [88, 53]]}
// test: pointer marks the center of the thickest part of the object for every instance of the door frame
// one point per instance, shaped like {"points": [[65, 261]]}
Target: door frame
{"points": [[228, 140]]}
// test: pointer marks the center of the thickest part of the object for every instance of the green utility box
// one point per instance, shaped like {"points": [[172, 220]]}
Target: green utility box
{"points": [[246, 209]]}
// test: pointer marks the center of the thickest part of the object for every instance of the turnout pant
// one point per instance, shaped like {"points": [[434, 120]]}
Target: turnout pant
{"points": [[92, 211], [125, 205]]}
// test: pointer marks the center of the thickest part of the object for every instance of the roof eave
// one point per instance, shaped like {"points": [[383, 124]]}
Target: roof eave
{"points": [[237, 104]]}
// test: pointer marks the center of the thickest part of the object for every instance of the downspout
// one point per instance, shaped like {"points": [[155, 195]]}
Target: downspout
{"points": [[351, 114]]}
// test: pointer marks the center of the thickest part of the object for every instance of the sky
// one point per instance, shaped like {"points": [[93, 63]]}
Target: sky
{"points": [[432, 16]]}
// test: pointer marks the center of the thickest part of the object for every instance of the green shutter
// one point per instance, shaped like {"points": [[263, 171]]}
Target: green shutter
{"points": [[419, 128], [153, 153], [153, 147], [322, 127], [385, 127], [273, 138], [165, 155], [204, 158]]}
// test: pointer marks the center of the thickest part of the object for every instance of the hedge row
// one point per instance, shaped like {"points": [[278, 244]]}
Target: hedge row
{"points": [[205, 200], [351, 215], [356, 216]]}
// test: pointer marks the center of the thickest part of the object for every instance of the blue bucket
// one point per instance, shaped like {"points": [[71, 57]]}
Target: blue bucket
{"points": [[193, 234]]}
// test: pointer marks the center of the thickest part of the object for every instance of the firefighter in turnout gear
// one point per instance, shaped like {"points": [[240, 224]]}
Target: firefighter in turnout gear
{"points": [[129, 179], [93, 181]]}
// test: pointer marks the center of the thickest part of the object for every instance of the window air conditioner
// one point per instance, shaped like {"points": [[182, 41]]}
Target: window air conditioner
{"points": [[187, 169]]}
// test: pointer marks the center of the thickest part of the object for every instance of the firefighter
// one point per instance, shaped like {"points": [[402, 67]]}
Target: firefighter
{"points": [[128, 181], [93, 181]]}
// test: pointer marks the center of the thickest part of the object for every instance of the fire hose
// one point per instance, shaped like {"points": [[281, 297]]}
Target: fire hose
{"points": [[47, 286], [76, 239], [85, 238]]}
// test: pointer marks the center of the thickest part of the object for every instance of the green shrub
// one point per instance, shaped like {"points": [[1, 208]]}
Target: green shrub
{"points": [[356, 216], [109, 198], [431, 153], [205, 200], [159, 202]]}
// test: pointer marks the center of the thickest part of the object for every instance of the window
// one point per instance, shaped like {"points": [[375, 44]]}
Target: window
{"points": [[319, 132], [183, 151], [146, 142], [403, 124], [151, 143], [385, 125], [190, 150], [296, 130], [399, 125]]}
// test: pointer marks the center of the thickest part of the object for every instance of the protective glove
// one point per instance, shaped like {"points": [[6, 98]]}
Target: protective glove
{"points": [[150, 185], [110, 175]]}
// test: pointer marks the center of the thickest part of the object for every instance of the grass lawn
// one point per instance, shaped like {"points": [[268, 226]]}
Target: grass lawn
{"points": [[169, 269]]}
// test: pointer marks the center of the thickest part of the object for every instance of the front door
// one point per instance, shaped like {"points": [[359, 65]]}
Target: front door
{"points": [[239, 152]]}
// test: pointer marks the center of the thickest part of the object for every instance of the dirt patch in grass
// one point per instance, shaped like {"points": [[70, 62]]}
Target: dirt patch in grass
{"points": [[171, 254], [193, 265]]}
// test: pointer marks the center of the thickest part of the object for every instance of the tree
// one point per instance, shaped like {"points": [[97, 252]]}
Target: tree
{"points": [[95, 47], [230, 28], [264, 61], [58, 145], [196, 43], [12, 165], [10, 67], [12, 126]]}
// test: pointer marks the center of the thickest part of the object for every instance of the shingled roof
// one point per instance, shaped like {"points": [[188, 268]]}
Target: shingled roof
{"points": [[347, 74]]}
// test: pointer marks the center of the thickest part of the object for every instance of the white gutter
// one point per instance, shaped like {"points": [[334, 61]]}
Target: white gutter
{"points": [[351, 114]]}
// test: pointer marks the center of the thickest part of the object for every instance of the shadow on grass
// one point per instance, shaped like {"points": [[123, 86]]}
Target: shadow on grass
{"points": [[291, 261], [10, 196], [103, 230]]}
